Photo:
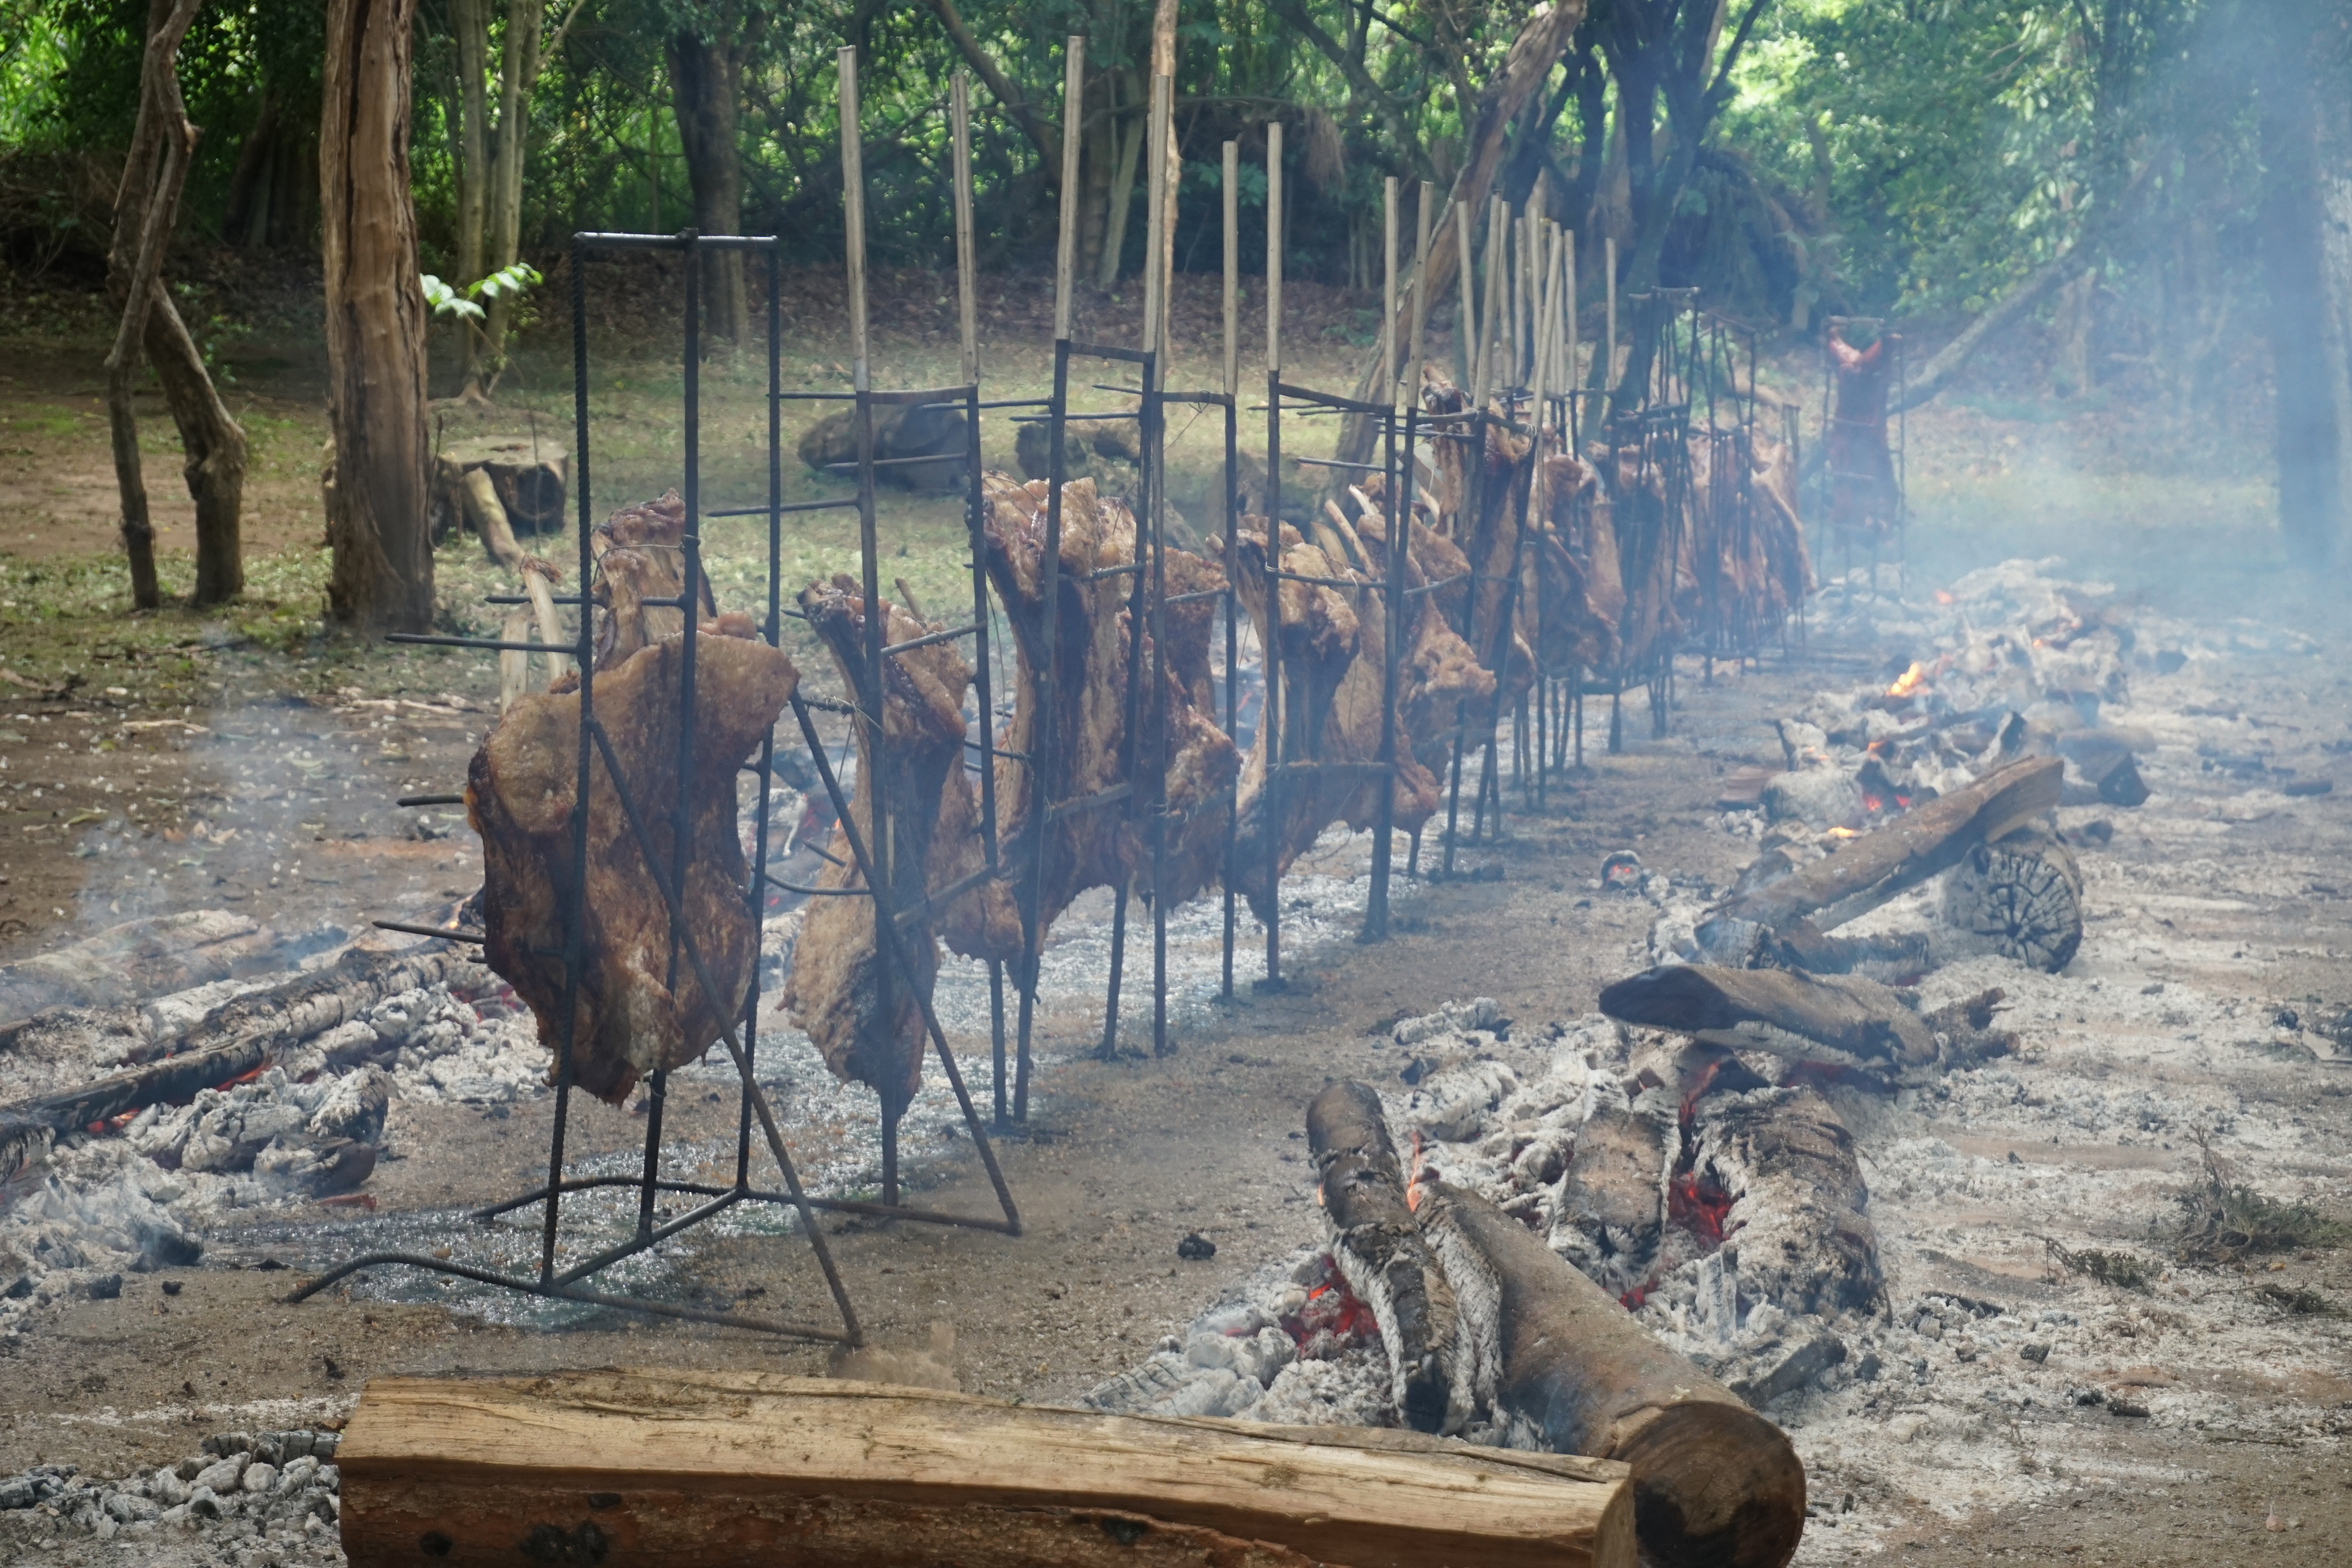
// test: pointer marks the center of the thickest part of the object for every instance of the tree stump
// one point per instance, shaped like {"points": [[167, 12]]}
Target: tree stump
{"points": [[2022, 895], [516, 480]]}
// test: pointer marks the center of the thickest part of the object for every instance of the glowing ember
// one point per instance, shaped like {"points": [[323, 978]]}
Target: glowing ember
{"points": [[1412, 1176], [1909, 681], [1700, 1206], [1844, 833]]}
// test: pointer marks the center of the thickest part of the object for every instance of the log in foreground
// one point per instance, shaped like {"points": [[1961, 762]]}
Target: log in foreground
{"points": [[715, 1469], [1564, 1367], [1881, 864], [1386, 1261]]}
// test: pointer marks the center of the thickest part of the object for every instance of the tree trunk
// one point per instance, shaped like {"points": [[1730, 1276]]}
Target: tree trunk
{"points": [[470, 21], [2308, 272], [1532, 55], [145, 209], [1121, 200], [376, 487], [517, 74], [703, 78]]}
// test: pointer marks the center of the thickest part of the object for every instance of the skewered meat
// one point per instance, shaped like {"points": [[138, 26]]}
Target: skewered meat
{"points": [[1099, 847], [1333, 668], [639, 554], [1583, 594], [640, 1008], [834, 992]]}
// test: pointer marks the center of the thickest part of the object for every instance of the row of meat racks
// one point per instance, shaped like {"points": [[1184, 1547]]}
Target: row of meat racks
{"points": [[1525, 391]]}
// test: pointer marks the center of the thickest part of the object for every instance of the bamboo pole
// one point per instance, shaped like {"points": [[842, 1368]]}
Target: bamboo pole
{"points": [[1387, 290], [1609, 270], [1233, 272], [1155, 260], [967, 277], [1270, 713], [1065, 249], [1273, 250], [1422, 223]]}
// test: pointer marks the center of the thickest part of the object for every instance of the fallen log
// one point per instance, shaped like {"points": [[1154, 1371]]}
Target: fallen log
{"points": [[233, 1042], [522, 478], [1382, 1254], [1879, 865], [1842, 1019], [136, 959], [1564, 1368], [717, 1469]]}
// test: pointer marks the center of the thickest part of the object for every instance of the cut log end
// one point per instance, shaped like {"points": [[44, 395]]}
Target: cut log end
{"points": [[1713, 1484], [2022, 896]]}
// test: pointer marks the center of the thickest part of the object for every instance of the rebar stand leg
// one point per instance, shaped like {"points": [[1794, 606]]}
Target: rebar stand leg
{"points": [[997, 1035], [1108, 1050], [656, 1099], [1617, 722]]}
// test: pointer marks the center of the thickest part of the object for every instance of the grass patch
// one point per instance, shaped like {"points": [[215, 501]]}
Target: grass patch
{"points": [[2120, 1269], [2302, 1303], [2223, 1219]]}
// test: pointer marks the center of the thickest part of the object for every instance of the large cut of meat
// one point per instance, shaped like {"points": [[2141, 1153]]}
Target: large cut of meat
{"points": [[1862, 494], [1648, 498], [1089, 753], [640, 1008], [1495, 463], [1333, 660], [1744, 567], [640, 553], [835, 992], [1582, 594]]}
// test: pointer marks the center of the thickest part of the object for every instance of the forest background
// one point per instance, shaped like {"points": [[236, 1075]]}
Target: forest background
{"points": [[2162, 187]]}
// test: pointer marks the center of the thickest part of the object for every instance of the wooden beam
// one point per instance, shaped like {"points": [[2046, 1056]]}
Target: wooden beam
{"points": [[716, 1468], [1835, 1017]]}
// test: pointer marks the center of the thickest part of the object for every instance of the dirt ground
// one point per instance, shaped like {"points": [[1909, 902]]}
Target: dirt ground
{"points": [[242, 759]]}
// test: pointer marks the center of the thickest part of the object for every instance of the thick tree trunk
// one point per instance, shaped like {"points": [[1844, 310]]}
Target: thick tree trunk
{"points": [[377, 486], [1532, 55], [215, 450], [2308, 186], [704, 80]]}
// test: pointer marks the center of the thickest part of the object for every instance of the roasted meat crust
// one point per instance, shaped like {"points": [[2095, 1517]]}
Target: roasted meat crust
{"points": [[639, 553], [1584, 591], [636, 1011], [834, 992]]}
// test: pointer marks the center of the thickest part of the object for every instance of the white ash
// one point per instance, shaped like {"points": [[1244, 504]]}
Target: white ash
{"points": [[273, 1493]]}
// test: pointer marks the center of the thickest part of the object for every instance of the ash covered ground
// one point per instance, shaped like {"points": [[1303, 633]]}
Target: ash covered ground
{"points": [[2045, 1373]]}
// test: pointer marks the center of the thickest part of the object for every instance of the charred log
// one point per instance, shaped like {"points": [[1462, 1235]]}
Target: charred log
{"points": [[1843, 1019], [1562, 1366], [136, 959], [1798, 1220], [1385, 1258], [1889, 860], [2022, 895]]}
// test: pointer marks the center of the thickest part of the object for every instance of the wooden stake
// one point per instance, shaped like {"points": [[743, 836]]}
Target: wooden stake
{"points": [[1466, 317], [1232, 271], [853, 215], [1421, 221], [1609, 269], [1155, 260], [1388, 381], [1573, 380], [1490, 305], [967, 277], [1274, 248], [1065, 250]]}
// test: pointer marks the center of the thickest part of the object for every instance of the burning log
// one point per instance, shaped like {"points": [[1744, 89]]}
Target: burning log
{"points": [[1562, 1367], [1367, 1208], [136, 959], [717, 1469], [1844, 1018], [634, 1012], [1883, 863], [1799, 1213], [2023, 895], [235, 1042]]}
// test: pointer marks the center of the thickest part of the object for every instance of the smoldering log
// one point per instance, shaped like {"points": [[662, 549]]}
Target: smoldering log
{"points": [[2022, 895], [1803, 1237], [1562, 1366], [1879, 865], [238, 1039], [1384, 1257], [136, 959], [721, 1468], [1842, 1018]]}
